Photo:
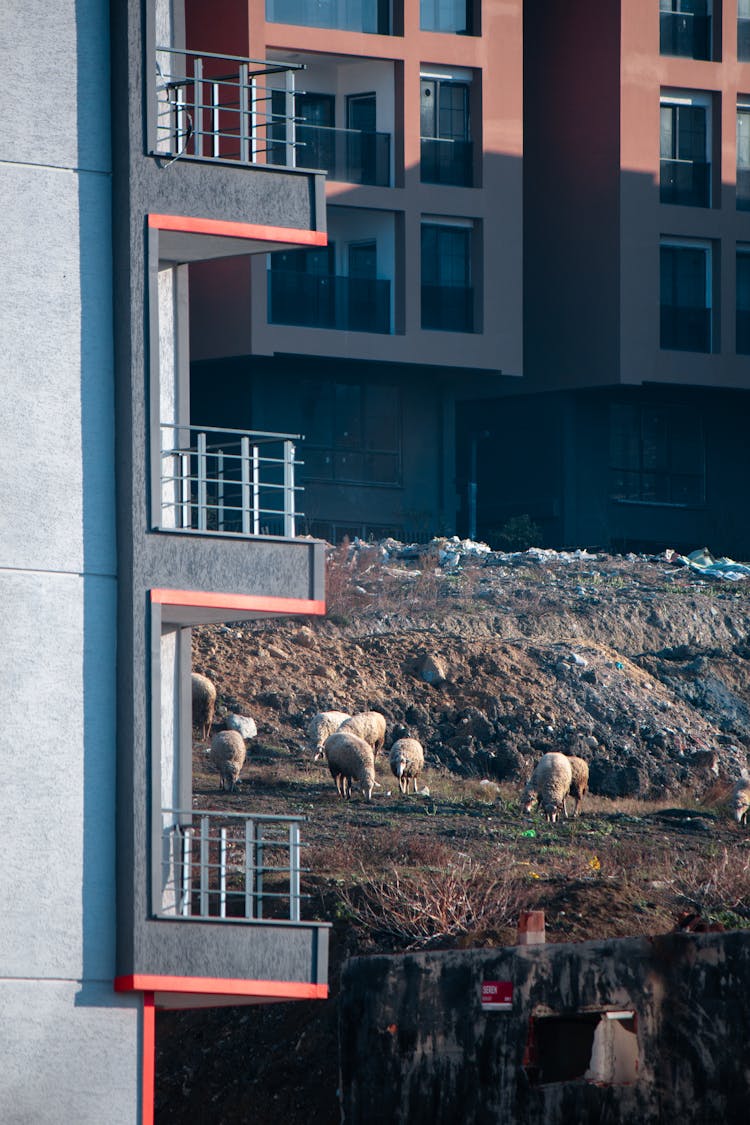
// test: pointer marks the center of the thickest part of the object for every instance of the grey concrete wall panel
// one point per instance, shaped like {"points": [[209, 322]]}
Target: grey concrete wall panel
{"points": [[57, 490], [243, 951], [71, 1053], [291, 569], [56, 64], [417, 1046], [58, 673]]}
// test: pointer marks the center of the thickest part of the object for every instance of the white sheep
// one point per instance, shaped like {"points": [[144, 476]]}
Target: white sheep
{"points": [[350, 758], [407, 762], [369, 725], [549, 784], [740, 800], [579, 783], [321, 726], [228, 755], [204, 703]]}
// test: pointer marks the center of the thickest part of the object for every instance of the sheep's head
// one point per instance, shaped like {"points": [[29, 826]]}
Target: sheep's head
{"points": [[552, 809]]}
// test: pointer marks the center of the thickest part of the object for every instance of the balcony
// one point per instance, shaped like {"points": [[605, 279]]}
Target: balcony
{"points": [[234, 482], [685, 329], [370, 16], [449, 308], [685, 182], [446, 161], [352, 304], [743, 38], [218, 107], [350, 155], [230, 867], [685, 34]]}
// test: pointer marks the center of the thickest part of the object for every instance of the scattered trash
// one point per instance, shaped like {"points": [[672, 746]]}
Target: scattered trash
{"points": [[619, 665], [703, 562], [529, 832]]}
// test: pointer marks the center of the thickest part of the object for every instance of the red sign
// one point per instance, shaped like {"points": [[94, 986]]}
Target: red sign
{"points": [[497, 995]]}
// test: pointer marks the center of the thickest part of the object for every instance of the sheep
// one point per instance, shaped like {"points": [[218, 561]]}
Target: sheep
{"points": [[549, 784], [740, 800], [369, 725], [204, 702], [578, 785], [407, 761], [228, 755], [321, 726], [350, 758]]}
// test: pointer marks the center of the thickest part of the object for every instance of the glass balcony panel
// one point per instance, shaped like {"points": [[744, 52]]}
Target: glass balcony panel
{"points": [[685, 34], [685, 182], [445, 161], [743, 39], [449, 308], [452, 16], [743, 331], [685, 329], [349, 155], [353, 304], [371, 16], [743, 189]]}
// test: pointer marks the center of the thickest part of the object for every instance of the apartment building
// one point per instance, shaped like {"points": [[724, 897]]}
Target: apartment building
{"points": [[365, 346], [126, 522], [630, 430]]}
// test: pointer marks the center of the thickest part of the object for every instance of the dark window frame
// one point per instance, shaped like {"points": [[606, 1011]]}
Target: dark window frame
{"points": [[645, 453], [344, 450]]}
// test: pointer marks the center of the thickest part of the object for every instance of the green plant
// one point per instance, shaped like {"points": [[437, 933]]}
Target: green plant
{"points": [[516, 534]]}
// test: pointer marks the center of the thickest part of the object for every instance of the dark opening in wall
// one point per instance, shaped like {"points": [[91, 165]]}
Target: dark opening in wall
{"points": [[593, 1046]]}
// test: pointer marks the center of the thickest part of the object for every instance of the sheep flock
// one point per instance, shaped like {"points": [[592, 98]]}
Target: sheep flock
{"points": [[351, 743]]}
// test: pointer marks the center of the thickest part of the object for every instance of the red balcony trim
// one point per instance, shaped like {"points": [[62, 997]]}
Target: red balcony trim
{"points": [[219, 986], [193, 225], [148, 1077], [254, 602]]}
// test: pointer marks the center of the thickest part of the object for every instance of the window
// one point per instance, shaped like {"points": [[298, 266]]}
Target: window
{"points": [[357, 155], [447, 293], [305, 290], [743, 30], [352, 432], [685, 168], [743, 156], [743, 302], [446, 15], [600, 1047], [346, 15], [446, 150], [686, 297], [656, 454], [685, 28]]}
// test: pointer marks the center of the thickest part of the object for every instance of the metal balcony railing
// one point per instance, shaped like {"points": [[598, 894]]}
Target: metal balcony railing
{"points": [[686, 182], [449, 308], [353, 304], [218, 107], [446, 161], [353, 156], [231, 481], [230, 867], [685, 34]]}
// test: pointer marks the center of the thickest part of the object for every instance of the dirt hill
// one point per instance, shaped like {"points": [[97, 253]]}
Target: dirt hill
{"points": [[489, 659]]}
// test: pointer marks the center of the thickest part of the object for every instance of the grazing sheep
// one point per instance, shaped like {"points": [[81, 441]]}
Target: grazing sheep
{"points": [[407, 762], [578, 785], [321, 726], [369, 725], [350, 758], [549, 784], [740, 800], [204, 702], [228, 755]]}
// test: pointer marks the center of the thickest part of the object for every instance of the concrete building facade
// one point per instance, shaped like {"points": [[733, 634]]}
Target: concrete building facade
{"points": [[123, 526]]}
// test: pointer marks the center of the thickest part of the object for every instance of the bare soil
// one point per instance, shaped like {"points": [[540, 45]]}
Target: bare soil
{"points": [[638, 666]]}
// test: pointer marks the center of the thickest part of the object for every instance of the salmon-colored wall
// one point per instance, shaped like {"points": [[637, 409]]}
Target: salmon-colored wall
{"points": [[495, 57]]}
